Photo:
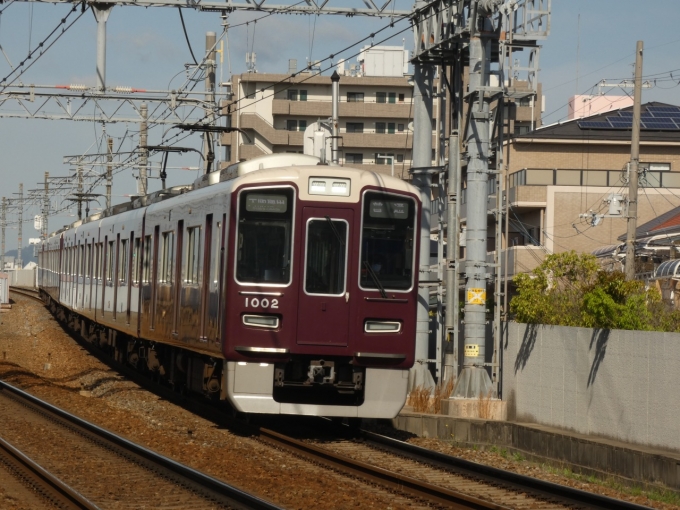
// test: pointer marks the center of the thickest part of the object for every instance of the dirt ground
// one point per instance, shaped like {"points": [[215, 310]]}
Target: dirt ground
{"points": [[38, 356]]}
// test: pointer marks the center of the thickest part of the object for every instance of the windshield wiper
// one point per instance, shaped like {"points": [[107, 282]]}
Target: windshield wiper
{"points": [[375, 279], [335, 231]]}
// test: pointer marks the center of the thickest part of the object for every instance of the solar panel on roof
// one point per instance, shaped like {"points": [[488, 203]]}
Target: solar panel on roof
{"points": [[594, 124], [659, 124], [664, 109], [621, 123], [626, 114]]}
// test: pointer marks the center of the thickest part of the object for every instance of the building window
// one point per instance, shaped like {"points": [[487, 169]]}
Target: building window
{"points": [[401, 98], [302, 125], [400, 158], [355, 127], [380, 127], [434, 123], [355, 97], [400, 128], [297, 95], [393, 97], [390, 128], [380, 159], [521, 130], [357, 159], [380, 97], [291, 125], [656, 167]]}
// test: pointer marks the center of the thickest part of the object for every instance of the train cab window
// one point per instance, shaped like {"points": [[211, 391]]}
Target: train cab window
{"points": [[264, 236], [325, 257], [193, 254], [387, 242], [167, 255]]}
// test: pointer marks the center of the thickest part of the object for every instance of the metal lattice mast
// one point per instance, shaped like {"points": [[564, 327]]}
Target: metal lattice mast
{"points": [[208, 140], [45, 209], [143, 182], [109, 171]]}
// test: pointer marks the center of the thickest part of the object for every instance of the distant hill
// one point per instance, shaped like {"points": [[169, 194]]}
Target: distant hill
{"points": [[26, 255]]}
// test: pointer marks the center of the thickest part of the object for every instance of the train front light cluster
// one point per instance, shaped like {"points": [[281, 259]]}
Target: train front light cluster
{"points": [[329, 186], [261, 321], [377, 326]]}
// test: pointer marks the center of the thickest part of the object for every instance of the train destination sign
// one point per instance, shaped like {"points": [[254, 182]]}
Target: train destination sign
{"points": [[389, 209], [259, 202]]}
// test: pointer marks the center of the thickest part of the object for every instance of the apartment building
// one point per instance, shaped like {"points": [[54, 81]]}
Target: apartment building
{"points": [[561, 172], [274, 110]]}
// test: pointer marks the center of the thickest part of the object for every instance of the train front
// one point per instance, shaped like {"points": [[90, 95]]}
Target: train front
{"points": [[321, 292]]}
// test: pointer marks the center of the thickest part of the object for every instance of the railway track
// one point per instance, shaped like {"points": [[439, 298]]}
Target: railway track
{"points": [[25, 479], [109, 470], [435, 478], [33, 294]]}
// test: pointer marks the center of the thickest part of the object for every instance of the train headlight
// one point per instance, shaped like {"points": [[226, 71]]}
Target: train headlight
{"points": [[375, 326], [261, 321], [329, 186]]}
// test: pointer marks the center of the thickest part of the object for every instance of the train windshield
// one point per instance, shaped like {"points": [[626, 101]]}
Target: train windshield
{"points": [[387, 242], [265, 225]]}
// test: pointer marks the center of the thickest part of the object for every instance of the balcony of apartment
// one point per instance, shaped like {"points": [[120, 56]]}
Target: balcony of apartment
{"points": [[376, 140], [401, 110], [265, 129]]}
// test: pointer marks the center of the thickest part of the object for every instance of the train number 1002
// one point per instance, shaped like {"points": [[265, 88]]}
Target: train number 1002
{"points": [[264, 303]]}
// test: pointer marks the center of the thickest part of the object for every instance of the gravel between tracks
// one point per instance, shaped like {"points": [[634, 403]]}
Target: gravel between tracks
{"points": [[36, 355]]}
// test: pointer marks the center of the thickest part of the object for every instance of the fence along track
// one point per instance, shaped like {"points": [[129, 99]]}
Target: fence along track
{"points": [[205, 487]]}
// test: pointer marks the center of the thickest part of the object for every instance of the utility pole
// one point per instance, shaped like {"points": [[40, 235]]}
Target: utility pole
{"points": [[634, 167], [109, 171], [80, 193], [142, 183], [335, 126], [21, 224], [208, 141], [101, 14]]}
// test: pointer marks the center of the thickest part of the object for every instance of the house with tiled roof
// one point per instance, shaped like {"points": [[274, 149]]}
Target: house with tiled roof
{"points": [[568, 182]]}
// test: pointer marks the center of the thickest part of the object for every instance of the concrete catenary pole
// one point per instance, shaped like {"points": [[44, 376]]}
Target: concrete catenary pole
{"points": [[101, 14], [46, 208], [20, 262], [208, 141], [335, 130], [4, 222], [80, 192], [143, 182], [634, 166], [109, 171], [422, 159], [474, 380]]}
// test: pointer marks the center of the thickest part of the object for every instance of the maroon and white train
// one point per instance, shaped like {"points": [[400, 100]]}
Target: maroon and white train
{"points": [[279, 284]]}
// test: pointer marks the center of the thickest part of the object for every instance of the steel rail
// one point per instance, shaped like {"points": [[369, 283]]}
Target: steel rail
{"points": [[222, 491], [43, 481], [405, 484], [533, 486], [33, 294]]}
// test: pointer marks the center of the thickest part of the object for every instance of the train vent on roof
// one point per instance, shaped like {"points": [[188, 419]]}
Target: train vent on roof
{"points": [[207, 180], [268, 161]]}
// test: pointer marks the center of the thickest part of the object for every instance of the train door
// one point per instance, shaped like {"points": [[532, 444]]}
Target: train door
{"points": [[323, 309]]}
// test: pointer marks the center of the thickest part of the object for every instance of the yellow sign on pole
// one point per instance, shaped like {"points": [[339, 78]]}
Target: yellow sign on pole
{"points": [[476, 296], [472, 350]]}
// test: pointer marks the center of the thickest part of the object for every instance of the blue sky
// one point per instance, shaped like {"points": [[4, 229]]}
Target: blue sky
{"points": [[146, 49]]}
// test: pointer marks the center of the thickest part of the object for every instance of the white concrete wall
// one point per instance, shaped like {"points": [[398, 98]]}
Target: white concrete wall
{"points": [[616, 384]]}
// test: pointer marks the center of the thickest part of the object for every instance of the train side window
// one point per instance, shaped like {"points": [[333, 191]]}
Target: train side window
{"points": [[123, 261], [98, 261], [82, 260], [167, 253], [218, 251], [88, 261], [135, 261], [193, 254], [146, 268], [109, 262]]}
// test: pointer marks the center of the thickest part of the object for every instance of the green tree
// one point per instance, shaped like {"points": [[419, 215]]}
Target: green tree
{"points": [[569, 289]]}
